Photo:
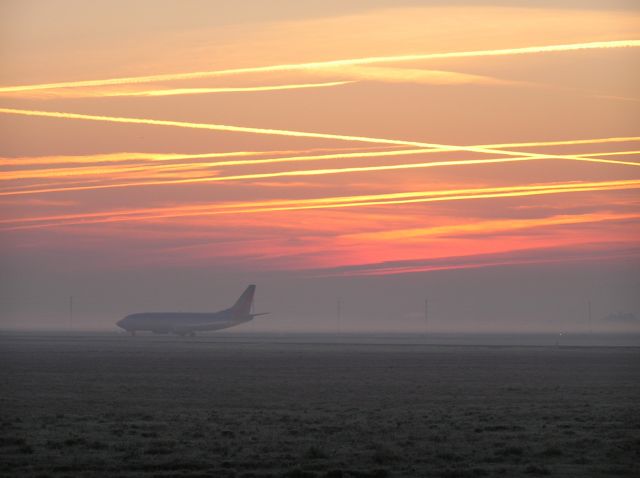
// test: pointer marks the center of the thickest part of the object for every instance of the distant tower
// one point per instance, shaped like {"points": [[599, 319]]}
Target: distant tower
{"points": [[426, 315], [253, 311], [70, 312]]}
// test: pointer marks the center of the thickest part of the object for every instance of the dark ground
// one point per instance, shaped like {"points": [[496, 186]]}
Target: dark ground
{"points": [[107, 405]]}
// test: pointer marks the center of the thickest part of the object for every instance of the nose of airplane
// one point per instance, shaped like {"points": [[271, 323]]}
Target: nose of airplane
{"points": [[122, 323]]}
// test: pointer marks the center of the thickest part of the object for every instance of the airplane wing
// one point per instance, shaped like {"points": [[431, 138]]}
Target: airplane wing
{"points": [[185, 329], [205, 326]]}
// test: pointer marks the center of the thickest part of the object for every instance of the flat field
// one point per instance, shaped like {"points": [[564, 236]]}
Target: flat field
{"points": [[107, 405]]}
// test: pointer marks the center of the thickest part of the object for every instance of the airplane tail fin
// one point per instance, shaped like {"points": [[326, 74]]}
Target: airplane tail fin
{"points": [[242, 307]]}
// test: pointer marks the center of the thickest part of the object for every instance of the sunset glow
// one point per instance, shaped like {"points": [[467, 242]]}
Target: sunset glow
{"points": [[377, 141], [319, 238]]}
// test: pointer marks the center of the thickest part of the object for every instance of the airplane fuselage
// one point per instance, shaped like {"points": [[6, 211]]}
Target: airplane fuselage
{"points": [[180, 322], [187, 323]]}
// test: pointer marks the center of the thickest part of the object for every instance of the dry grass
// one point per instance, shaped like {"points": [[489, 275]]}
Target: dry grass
{"points": [[136, 407]]}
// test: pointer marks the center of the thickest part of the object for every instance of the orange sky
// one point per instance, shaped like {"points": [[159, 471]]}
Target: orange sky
{"points": [[382, 139]]}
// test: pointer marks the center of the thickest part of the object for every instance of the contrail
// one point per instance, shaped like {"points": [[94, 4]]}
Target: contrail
{"points": [[194, 91], [324, 203], [614, 139], [30, 173], [179, 91], [96, 171], [485, 227], [214, 127], [56, 172], [330, 63], [516, 156], [488, 226], [482, 193], [161, 157], [611, 153], [240, 177], [164, 157], [195, 166], [278, 132], [472, 265], [413, 75]]}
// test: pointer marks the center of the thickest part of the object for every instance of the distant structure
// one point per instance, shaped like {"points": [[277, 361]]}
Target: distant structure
{"points": [[590, 326], [426, 315], [70, 312], [339, 314], [253, 309], [558, 339]]}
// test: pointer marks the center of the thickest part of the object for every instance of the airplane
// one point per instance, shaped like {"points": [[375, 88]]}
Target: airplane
{"points": [[188, 323]]}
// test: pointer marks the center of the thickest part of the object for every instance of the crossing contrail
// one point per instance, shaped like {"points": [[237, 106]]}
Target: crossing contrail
{"points": [[320, 203], [213, 176], [167, 157], [276, 132]]}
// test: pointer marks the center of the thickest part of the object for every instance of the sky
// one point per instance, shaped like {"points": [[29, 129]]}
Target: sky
{"points": [[161, 155]]}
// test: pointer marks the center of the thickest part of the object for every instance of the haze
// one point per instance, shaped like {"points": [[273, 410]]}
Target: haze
{"points": [[500, 182]]}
